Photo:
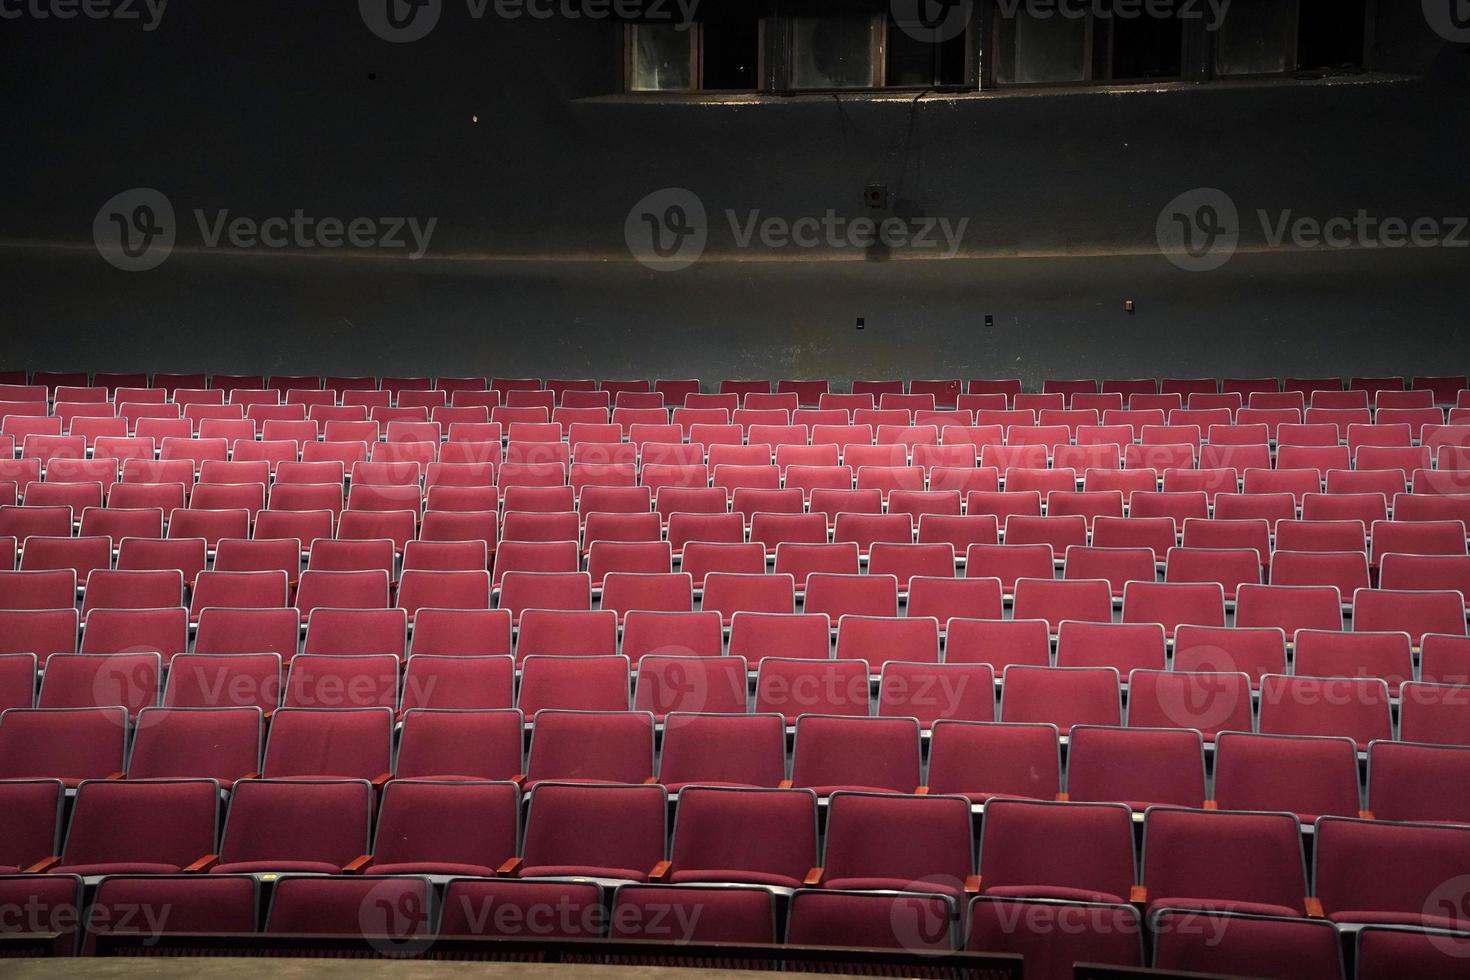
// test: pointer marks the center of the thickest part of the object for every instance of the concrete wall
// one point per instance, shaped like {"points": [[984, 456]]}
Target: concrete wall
{"points": [[269, 107]]}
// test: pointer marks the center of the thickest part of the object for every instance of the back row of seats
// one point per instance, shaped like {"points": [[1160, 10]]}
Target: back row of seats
{"points": [[880, 860], [209, 436], [61, 385]]}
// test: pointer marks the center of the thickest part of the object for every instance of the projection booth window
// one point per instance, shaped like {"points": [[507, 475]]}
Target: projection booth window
{"points": [[1036, 48], [1053, 44], [871, 45], [811, 46], [868, 46], [662, 58], [1274, 37], [838, 50], [718, 52]]}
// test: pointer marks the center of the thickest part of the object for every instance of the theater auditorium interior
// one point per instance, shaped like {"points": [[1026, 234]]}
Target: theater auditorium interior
{"points": [[647, 488]]}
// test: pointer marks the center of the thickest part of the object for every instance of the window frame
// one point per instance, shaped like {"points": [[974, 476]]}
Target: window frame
{"points": [[993, 48], [1293, 52], [695, 41], [775, 56], [877, 51], [1099, 38]]}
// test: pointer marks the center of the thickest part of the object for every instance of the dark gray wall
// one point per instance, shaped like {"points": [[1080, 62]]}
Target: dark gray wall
{"points": [[266, 107]]}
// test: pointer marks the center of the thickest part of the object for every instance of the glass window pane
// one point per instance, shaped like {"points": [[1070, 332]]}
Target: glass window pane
{"points": [[660, 58], [834, 51], [1255, 38], [1040, 48]]}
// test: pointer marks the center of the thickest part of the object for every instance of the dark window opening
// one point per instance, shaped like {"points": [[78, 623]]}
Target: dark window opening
{"points": [[924, 56], [1256, 38], [1146, 47], [731, 52], [1331, 34], [1034, 49]]}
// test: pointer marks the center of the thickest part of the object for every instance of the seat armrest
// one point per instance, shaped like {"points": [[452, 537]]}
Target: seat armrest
{"points": [[784, 784], [972, 884], [1314, 908], [660, 872], [1063, 797], [202, 865], [519, 779], [381, 779], [510, 869], [355, 866], [651, 781], [44, 865], [1365, 814], [1138, 895], [921, 791], [813, 879], [1211, 805], [117, 775]]}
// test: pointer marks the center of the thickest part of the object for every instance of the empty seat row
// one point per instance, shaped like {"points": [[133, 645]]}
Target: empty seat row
{"points": [[1030, 854], [64, 386], [1303, 772], [215, 432], [408, 912], [690, 449], [462, 659], [1193, 598], [471, 827], [684, 453]]}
